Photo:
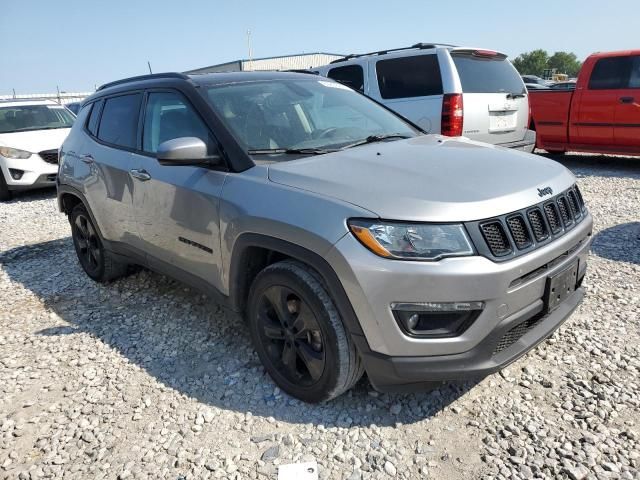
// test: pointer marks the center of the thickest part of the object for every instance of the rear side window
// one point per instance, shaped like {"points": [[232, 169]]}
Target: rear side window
{"points": [[634, 77], [488, 75], [610, 73], [168, 116], [119, 121], [92, 123], [406, 77], [351, 75]]}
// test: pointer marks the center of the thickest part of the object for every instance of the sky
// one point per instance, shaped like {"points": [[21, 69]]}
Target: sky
{"points": [[77, 45]]}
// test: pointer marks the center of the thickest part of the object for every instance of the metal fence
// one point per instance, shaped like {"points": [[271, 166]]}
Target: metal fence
{"points": [[62, 97]]}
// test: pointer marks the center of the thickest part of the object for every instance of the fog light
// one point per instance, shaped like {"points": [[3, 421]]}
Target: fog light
{"points": [[16, 174], [436, 320]]}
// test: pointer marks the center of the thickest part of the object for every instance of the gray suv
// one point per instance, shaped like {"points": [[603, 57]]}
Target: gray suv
{"points": [[348, 239]]}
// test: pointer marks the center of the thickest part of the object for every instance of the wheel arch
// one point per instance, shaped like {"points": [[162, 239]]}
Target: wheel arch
{"points": [[252, 252], [69, 198]]}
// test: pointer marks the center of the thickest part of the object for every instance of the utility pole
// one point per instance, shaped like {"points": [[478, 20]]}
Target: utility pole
{"points": [[249, 46], [149, 65]]}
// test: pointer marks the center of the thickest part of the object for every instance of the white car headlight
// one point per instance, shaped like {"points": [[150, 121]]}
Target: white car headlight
{"points": [[412, 241], [8, 152]]}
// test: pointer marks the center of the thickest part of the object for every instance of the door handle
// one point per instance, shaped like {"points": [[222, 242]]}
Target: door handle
{"points": [[626, 99], [141, 175], [87, 158]]}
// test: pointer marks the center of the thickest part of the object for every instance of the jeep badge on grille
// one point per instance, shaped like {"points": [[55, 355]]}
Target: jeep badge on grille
{"points": [[544, 191]]}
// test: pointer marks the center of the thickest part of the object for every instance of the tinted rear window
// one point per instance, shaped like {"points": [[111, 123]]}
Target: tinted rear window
{"points": [[487, 75], [119, 121], [610, 73], [92, 123], [405, 77], [351, 75]]}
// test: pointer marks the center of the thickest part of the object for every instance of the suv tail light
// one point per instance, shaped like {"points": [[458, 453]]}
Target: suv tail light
{"points": [[452, 115]]}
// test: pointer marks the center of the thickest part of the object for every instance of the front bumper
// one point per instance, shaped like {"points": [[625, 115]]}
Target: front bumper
{"points": [[511, 291], [36, 172], [404, 374]]}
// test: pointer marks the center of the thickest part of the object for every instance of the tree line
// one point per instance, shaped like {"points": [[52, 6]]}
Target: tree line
{"points": [[536, 61]]}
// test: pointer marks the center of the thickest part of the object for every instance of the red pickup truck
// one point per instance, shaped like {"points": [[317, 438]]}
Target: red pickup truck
{"points": [[601, 115]]}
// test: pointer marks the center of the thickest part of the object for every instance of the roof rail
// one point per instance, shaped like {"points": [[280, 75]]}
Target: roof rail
{"points": [[383, 52], [144, 77], [36, 99], [301, 70]]}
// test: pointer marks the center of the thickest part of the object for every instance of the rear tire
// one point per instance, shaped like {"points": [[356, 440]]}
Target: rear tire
{"points": [[5, 193], [298, 334], [97, 262]]}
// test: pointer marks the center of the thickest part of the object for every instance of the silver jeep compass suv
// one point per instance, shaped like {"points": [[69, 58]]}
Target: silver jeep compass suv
{"points": [[348, 239]]}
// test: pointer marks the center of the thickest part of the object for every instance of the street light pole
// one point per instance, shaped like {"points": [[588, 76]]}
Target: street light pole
{"points": [[249, 46]]}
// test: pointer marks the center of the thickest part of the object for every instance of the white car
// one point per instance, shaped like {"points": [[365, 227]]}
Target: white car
{"points": [[453, 91], [31, 132]]}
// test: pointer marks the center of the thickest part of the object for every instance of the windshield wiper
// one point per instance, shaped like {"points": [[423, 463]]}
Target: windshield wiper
{"points": [[515, 95], [290, 151], [374, 139]]}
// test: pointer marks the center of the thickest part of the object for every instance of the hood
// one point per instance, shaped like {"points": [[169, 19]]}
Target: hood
{"points": [[427, 178], [36, 140]]}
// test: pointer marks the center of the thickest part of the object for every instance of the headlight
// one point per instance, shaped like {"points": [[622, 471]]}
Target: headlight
{"points": [[420, 241], [8, 152]]}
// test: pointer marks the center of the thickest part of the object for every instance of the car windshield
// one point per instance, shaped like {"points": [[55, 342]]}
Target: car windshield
{"points": [[280, 116], [34, 117]]}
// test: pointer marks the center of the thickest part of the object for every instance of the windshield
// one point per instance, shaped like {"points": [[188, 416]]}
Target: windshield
{"points": [[487, 75], [302, 114], [34, 117]]}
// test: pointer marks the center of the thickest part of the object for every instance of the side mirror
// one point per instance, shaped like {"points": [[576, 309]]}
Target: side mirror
{"points": [[185, 151]]}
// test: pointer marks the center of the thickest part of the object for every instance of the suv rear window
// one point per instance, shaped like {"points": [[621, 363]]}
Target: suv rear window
{"points": [[350, 75], [487, 74], [119, 121], [415, 76]]}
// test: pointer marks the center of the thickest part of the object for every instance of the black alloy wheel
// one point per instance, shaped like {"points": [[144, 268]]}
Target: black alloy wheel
{"points": [[88, 245], [291, 334], [299, 335]]}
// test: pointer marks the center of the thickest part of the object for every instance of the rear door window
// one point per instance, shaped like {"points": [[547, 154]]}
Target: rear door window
{"points": [[119, 121], [485, 74], [610, 73], [349, 75], [415, 76], [634, 77]]}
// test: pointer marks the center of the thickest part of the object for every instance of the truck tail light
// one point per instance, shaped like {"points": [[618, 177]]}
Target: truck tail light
{"points": [[452, 115]]}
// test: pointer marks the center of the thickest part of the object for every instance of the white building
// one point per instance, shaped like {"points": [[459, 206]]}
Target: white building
{"points": [[287, 62]]}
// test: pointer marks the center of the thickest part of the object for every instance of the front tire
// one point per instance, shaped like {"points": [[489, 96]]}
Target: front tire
{"points": [[299, 335], [97, 262]]}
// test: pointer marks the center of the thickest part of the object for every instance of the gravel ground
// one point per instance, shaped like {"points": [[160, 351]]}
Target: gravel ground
{"points": [[145, 378]]}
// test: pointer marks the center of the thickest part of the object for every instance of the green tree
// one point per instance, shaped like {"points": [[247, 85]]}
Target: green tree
{"points": [[531, 63], [565, 62]]}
